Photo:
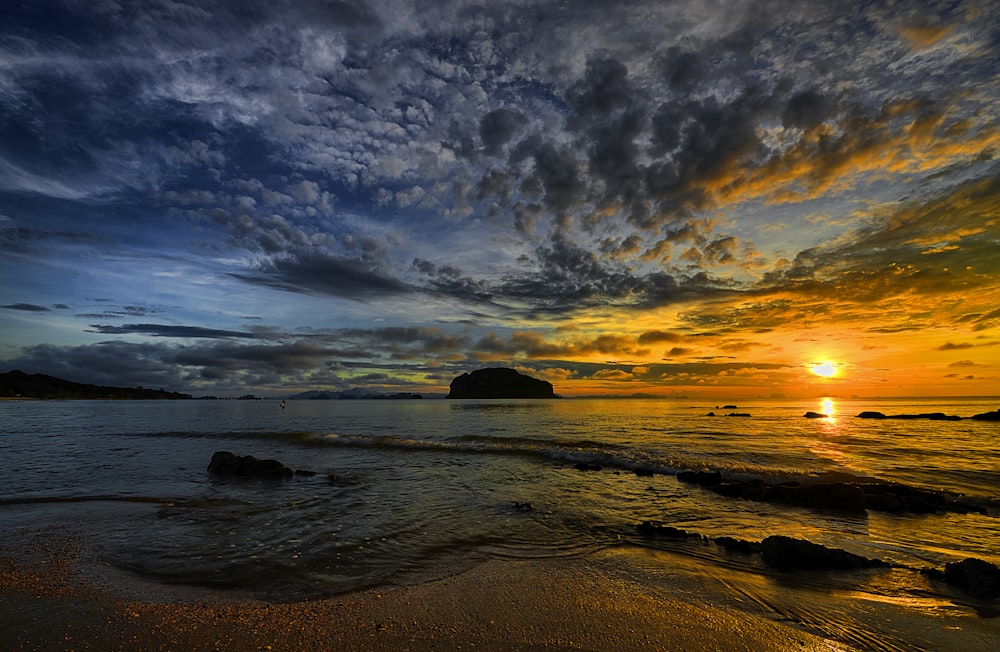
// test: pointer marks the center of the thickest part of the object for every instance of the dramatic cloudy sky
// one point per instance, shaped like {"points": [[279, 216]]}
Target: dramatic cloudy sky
{"points": [[692, 197]]}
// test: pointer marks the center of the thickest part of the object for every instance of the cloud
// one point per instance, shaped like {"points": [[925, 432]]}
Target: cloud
{"points": [[322, 273], [26, 307], [165, 330], [657, 336], [952, 346]]}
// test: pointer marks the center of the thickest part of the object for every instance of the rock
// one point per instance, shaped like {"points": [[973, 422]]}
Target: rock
{"points": [[738, 414], [787, 554], [704, 478], [898, 499], [523, 507], [933, 416], [816, 415], [988, 416], [978, 578], [836, 495], [731, 544], [587, 466], [855, 497], [499, 382], [247, 466], [648, 528]]}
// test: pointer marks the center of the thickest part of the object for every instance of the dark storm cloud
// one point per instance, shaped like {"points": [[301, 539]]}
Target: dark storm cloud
{"points": [[113, 364], [26, 307], [498, 127], [805, 110], [166, 330], [320, 273]]}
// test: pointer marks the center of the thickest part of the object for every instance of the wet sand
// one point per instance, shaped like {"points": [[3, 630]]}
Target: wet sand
{"points": [[50, 600]]}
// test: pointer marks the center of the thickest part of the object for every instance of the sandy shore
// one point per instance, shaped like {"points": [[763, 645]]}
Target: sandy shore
{"points": [[47, 602]]}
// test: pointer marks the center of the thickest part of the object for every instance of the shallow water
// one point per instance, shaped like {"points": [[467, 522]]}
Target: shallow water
{"points": [[425, 485]]}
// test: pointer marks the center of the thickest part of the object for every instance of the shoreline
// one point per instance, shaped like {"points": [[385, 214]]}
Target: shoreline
{"points": [[50, 599]]}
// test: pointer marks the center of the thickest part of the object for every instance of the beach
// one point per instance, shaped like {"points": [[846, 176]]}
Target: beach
{"points": [[51, 600], [583, 524]]}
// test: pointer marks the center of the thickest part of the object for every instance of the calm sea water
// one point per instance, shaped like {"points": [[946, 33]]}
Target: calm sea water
{"points": [[424, 486]]}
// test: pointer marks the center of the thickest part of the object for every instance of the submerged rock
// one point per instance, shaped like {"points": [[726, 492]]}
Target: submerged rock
{"points": [[704, 478], [854, 497], [247, 466], [816, 415], [787, 553], [499, 382]]}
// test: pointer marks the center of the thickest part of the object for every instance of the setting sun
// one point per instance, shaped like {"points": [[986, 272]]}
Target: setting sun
{"points": [[825, 369]]}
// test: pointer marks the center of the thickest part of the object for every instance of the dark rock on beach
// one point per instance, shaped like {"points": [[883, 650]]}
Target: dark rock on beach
{"points": [[732, 544], [499, 382], [247, 466], [978, 578], [788, 554]]}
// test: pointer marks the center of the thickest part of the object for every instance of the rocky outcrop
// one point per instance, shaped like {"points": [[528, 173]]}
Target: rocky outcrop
{"points": [[788, 554], [976, 577], [247, 466], [499, 382], [988, 416], [932, 416], [816, 415], [780, 552]]}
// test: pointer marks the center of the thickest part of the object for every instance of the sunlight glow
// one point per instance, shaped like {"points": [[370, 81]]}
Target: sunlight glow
{"points": [[824, 369]]}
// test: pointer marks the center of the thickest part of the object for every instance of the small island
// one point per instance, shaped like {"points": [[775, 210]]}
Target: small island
{"points": [[499, 382]]}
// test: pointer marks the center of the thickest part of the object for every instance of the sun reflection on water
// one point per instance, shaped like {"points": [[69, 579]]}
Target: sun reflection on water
{"points": [[828, 407]]}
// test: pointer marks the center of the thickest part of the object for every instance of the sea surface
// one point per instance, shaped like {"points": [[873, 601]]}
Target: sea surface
{"points": [[409, 490]]}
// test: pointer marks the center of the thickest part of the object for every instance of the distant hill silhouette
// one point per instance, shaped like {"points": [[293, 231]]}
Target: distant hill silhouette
{"points": [[499, 382], [17, 384]]}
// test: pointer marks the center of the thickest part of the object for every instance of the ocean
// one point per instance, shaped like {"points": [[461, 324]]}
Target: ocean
{"points": [[406, 491]]}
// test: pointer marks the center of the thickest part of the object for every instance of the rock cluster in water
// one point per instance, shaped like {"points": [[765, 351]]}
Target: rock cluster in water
{"points": [[781, 552], [977, 578], [932, 416], [247, 466], [499, 382], [842, 496], [988, 416]]}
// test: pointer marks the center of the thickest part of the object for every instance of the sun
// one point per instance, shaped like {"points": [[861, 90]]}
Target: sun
{"points": [[824, 369]]}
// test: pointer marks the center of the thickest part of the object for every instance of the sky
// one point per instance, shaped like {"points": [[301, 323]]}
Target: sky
{"points": [[697, 198]]}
